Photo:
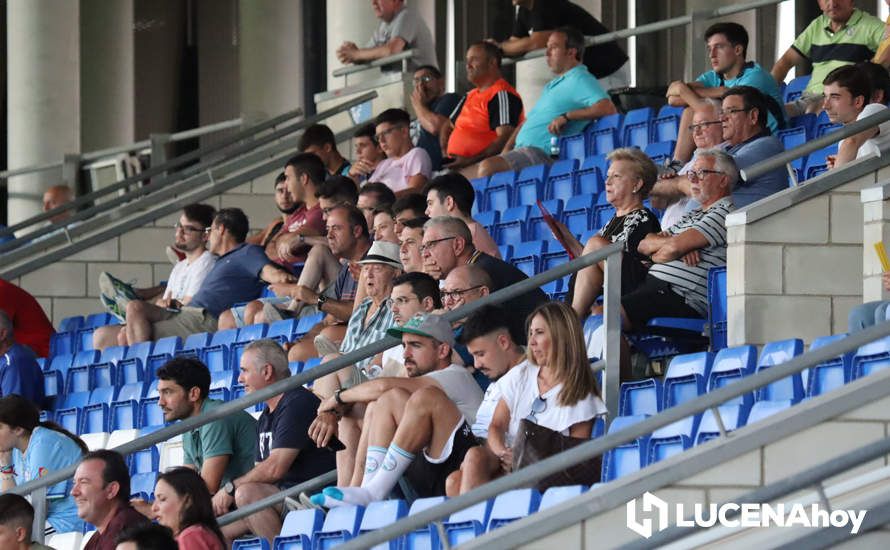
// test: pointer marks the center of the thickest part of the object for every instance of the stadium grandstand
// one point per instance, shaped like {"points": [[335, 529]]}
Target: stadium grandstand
{"points": [[423, 274]]}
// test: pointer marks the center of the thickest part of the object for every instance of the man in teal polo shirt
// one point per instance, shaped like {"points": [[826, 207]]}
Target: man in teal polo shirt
{"points": [[727, 45], [842, 35], [567, 104], [221, 450]]}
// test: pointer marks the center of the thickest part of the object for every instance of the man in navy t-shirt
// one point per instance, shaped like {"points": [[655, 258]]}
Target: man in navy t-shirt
{"points": [[239, 275], [19, 371], [285, 454]]}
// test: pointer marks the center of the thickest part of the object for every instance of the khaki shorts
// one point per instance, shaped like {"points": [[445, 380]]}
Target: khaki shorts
{"points": [[188, 320]]}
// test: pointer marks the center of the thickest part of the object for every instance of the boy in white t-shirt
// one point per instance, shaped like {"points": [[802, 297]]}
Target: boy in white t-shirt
{"points": [[848, 91], [406, 168]]}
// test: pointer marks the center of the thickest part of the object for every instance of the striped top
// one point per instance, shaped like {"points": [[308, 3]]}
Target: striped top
{"points": [[360, 334], [691, 282]]}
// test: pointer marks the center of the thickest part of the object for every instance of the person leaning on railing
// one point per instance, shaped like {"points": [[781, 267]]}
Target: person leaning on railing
{"points": [[30, 449], [848, 94]]}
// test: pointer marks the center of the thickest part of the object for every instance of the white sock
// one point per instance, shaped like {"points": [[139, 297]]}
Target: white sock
{"points": [[373, 460], [393, 466]]}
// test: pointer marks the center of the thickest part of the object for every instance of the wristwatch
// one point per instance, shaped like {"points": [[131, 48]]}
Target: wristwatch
{"points": [[229, 488], [337, 397], [321, 301]]}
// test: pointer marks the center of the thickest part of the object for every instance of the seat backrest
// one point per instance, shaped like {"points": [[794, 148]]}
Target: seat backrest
{"points": [[302, 522], [85, 358], [764, 409], [557, 495], [197, 340], [382, 513], [780, 351], [170, 345], [113, 354], [513, 505], [640, 397], [71, 323], [139, 351], [343, 518], [689, 364], [104, 394], [224, 337]]}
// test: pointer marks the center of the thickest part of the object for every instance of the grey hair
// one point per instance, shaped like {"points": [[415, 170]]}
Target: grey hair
{"points": [[270, 352], [5, 323], [723, 162], [455, 227]]}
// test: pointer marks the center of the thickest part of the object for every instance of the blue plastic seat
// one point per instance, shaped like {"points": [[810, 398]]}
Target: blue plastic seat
{"points": [[506, 251], [254, 543], [562, 180], [61, 363], [592, 174], [132, 366], [635, 131], [53, 385], [629, 457], [527, 256], [62, 343], [871, 357], [603, 135], [666, 125], [498, 195], [731, 364], [830, 374], [817, 161], [85, 358], [194, 345], [142, 485], [686, 377], [96, 418], [77, 379], [340, 525], [558, 495], [795, 88], [764, 409], [163, 350], [102, 375], [602, 215], [144, 460], [251, 332], [717, 307], [282, 331], [776, 353], [468, 523], [573, 147], [511, 227], [113, 354], [824, 125], [733, 417], [70, 418], [641, 397], [382, 513], [150, 414], [528, 191], [806, 121], [660, 151], [306, 323], [672, 439], [513, 505], [426, 537], [792, 137], [488, 219], [71, 323], [577, 213], [297, 529]]}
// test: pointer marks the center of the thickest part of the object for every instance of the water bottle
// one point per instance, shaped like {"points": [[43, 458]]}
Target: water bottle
{"points": [[554, 147]]}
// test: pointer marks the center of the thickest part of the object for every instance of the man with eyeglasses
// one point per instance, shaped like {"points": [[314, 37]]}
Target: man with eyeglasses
{"points": [[405, 168], [432, 106], [120, 299], [671, 192], [448, 243], [727, 45], [677, 282], [408, 422], [749, 141]]}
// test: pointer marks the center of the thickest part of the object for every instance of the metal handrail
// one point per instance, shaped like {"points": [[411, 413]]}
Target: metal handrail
{"points": [[135, 146], [344, 361], [808, 147], [158, 170], [359, 67], [651, 27], [596, 447], [9, 270]]}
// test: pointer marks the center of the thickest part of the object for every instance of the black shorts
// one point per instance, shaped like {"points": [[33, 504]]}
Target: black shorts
{"points": [[654, 298], [427, 475]]}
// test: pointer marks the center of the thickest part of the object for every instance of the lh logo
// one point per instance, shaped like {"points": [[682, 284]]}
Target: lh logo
{"points": [[644, 526]]}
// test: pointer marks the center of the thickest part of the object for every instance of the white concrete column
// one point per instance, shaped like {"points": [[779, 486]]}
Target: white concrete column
{"points": [[107, 77], [43, 90], [875, 229], [270, 57], [352, 21]]}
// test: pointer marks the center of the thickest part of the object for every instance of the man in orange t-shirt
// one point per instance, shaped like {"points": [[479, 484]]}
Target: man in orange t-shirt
{"points": [[485, 118]]}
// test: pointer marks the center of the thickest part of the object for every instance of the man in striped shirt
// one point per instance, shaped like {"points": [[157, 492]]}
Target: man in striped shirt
{"points": [[677, 283]]}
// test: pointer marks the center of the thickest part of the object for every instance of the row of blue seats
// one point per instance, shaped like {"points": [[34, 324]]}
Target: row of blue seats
{"points": [[305, 529], [636, 128]]}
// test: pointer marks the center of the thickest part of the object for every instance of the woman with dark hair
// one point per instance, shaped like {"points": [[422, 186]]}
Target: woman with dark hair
{"points": [[30, 449], [183, 503]]}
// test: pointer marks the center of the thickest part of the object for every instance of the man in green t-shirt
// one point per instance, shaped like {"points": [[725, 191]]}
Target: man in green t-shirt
{"points": [[221, 450]]}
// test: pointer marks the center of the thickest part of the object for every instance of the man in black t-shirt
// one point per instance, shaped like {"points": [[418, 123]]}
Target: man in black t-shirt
{"points": [[536, 19], [432, 107], [285, 454]]}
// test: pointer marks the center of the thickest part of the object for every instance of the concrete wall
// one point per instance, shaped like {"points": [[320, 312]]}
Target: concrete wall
{"points": [[797, 272]]}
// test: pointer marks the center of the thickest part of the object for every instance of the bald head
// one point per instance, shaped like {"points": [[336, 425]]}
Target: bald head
{"points": [[56, 196], [707, 131], [465, 284]]}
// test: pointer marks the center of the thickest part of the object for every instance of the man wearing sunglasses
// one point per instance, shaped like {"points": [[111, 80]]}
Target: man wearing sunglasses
{"points": [[190, 237]]}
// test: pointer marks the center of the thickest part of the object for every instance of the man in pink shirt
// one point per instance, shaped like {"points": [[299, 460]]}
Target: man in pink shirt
{"points": [[451, 194], [406, 168]]}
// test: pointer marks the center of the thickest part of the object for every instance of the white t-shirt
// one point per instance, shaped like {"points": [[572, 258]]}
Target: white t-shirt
{"points": [[489, 403], [186, 278], [393, 362], [396, 172], [460, 386], [881, 139], [519, 389]]}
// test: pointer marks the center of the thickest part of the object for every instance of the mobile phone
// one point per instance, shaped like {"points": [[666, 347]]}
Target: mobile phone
{"points": [[447, 160], [335, 445]]}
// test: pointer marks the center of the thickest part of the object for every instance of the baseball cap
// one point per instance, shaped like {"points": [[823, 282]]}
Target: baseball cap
{"points": [[426, 324]]}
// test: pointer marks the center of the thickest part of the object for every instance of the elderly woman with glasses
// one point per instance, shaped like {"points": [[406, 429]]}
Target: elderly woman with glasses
{"points": [[630, 178], [555, 389]]}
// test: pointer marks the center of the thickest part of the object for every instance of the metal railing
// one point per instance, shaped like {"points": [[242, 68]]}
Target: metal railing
{"points": [[403, 56], [597, 447], [158, 170], [186, 190], [612, 295], [129, 148]]}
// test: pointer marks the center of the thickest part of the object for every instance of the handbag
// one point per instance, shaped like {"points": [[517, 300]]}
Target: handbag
{"points": [[534, 443]]}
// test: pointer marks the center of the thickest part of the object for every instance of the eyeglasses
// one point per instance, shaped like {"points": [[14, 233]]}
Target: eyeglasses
{"points": [[457, 294], [538, 406], [190, 229], [698, 175], [727, 112], [380, 136], [423, 79], [702, 125], [426, 247]]}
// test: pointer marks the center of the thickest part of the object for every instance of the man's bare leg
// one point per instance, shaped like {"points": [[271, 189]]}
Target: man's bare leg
{"points": [[589, 282], [480, 466], [227, 320], [251, 311], [140, 316], [492, 165], [265, 524], [105, 337], [361, 450]]}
